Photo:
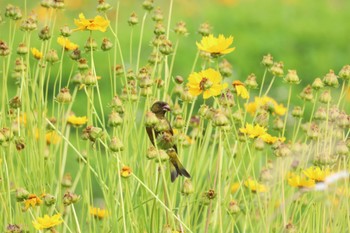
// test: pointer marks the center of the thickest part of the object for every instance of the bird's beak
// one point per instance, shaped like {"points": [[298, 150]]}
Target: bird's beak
{"points": [[166, 108]]}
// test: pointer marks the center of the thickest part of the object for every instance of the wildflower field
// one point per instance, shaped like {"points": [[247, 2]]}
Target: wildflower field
{"points": [[121, 117]]}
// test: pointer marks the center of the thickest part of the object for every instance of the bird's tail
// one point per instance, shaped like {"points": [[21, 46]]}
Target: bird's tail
{"points": [[176, 169]]}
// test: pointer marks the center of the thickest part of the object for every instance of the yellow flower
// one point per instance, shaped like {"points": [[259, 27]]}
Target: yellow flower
{"points": [[300, 181], [47, 222], [66, 43], [240, 89], [32, 201], [77, 121], [125, 172], [253, 131], [36, 53], [216, 46], [98, 213], [98, 23], [52, 138], [271, 139], [207, 81], [316, 174], [254, 186], [234, 187], [265, 102]]}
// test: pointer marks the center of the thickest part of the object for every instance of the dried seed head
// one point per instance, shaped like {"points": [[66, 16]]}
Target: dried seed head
{"points": [[344, 73], [4, 49], [306, 94], [277, 69], [116, 145], [331, 79], [148, 5], [225, 68], [204, 29], [133, 19], [103, 6], [22, 49], [181, 29], [317, 84], [64, 96], [250, 82], [157, 15], [297, 111], [325, 97], [51, 56], [44, 33], [187, 187], [292, 77], [114, 119]]}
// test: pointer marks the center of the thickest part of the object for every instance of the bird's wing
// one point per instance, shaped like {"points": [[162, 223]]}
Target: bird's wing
{"points": [[152, 136], [172, 133]]}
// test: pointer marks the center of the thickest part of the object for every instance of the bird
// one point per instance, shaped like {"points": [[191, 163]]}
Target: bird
{"points": [[162, 135]]}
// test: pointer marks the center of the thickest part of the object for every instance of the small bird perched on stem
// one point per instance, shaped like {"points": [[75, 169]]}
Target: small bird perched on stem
{"points": [[161, 135]]}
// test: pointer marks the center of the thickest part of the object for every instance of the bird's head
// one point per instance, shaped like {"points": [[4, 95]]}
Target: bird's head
{"points": [[160, 108]]}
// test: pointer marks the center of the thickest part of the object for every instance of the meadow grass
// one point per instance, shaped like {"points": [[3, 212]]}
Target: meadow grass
{"points": [[75, 155]]}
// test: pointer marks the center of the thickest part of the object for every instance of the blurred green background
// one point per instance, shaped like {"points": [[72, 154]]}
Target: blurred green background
{"points": [[309, 36]]}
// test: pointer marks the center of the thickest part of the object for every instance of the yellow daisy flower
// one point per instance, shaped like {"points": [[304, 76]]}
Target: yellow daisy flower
{"points": [[234, 187], [32, 201], [52, 138], [271, 139], [253, 131], [300, 181], [265, 102], [47, 222], [77, 121], [255, 186], [98, 23], [36, 53], [98, 213], [216, 46], [317, 174], [240, 89], [207, 81], [66, 43]]}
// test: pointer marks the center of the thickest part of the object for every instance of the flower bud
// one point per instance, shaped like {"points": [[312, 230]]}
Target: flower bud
{"points": [[103, 6], [179, 122], [117, 104], [57, 4], [22, 49], [297, 111], [21, 194], [219, 119], [344, 73], [15, 102], [90, 44], [320, 114], [116, 145], [29, 24], [181, 29], [277, 69], [317, 84], [70, 198], [341, 148], [166, 47], [49, 199], [89, 79], [75, 55], [106, 44], [225, 68], [187, 187], [331, 79], [4, 49], [64, 96], [292, 77], [157, 15], [306, 94], [233, 207], [67, 180], [343, 120], [20, 66], [133, 19], [14, 228], [148, 5], [51, 56], [44, 33], [82, 64], [65, 31], [125, 172], [204, 29], [114, 119], [325, 97], [267, 61], [13, 12], [151, 119], [259, 144], [250, 82], [161, 156]]}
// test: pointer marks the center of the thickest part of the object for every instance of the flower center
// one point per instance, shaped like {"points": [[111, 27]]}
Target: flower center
{"points": [[205, 84]]}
